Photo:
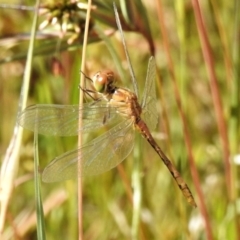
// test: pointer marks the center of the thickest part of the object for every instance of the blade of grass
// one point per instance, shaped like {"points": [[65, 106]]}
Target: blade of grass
{"points": [[38, 196], [137, 165], [182, 77], [134, 83], [11, 161]]}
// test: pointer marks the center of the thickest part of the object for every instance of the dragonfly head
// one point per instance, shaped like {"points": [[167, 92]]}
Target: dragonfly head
{"points": [[103, 81]]}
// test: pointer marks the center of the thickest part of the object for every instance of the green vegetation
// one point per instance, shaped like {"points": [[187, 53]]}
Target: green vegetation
{"points": [[197, 59]]}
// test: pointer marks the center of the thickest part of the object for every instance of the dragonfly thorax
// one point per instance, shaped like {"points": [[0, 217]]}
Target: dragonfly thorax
{"points": [[126, 103]]}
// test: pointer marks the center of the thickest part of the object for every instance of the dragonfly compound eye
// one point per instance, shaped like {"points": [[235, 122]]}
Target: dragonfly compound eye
{"points": [[102, 80]]}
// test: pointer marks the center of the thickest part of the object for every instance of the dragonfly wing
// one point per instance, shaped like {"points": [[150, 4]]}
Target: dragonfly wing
{"points": [[98, 156], [149, 113], [62, 120]]}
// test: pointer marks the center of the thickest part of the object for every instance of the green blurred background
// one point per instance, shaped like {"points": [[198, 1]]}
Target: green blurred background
{"points": [[107, 206]]}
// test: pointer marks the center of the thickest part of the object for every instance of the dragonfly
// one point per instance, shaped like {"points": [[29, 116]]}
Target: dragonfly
{"points": [[114, 104]]}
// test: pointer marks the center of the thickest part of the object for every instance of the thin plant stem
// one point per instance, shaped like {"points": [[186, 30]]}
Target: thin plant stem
{"points": [[235, 114], [82, 78], [210, 65]]}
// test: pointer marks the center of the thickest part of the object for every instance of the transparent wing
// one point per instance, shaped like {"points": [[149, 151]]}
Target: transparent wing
{"points": [[98, 156], [149, 114], [62, 120]]}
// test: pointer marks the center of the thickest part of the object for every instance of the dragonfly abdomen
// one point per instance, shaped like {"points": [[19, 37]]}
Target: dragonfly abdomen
{"points": [[142, 127]]}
